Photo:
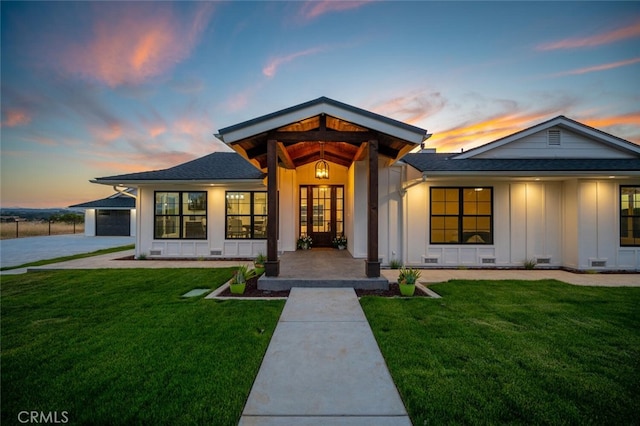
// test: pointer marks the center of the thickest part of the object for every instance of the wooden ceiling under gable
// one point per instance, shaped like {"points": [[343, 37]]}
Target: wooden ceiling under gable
{"points": [[305, 141]]}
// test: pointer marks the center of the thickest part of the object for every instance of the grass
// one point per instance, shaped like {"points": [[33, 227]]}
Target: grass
{"points": [[35, 229], [513, 352], [70, 257], [122, 346]]}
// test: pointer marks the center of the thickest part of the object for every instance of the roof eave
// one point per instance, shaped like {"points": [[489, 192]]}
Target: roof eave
{"points": [[524, 173], [136, 183]]}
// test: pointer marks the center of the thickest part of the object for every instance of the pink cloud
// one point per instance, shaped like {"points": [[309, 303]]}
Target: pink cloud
{"points": [[412, 108], [313, 9], [13, 117], [270, 69], [602, 67], [130, 44], [630, 31]]}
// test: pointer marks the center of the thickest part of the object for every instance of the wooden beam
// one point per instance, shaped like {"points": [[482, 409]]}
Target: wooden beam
{"points": [[284, 156], [373, 262], [272, 265], [323, 136], [361, 152]]}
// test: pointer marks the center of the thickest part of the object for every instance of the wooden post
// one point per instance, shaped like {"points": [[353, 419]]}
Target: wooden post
{"points": [[272, 265], [373, 262]]}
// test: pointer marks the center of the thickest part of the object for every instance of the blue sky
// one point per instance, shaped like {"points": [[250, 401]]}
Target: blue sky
{"points": [[94, 89]]}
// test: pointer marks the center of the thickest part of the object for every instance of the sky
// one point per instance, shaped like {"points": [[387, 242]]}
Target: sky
{"points": [[93, 89]]}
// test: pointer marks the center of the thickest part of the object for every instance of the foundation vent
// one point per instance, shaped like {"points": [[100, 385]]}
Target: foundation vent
{"points": [[488, 260], [431, 260], [598, 263], [155, 252], [215, 252], [543, 260]]}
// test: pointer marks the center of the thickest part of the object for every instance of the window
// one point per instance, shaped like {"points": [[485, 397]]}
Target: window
{"points": [[630, 215], [181, 215], [461, 215], [246, 215]]}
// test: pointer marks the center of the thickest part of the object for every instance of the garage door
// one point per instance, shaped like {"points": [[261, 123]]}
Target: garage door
{"points": [[113, 223]]}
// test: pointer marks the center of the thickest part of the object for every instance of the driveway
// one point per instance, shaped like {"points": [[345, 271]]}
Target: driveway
{"points": [[18, 251]]}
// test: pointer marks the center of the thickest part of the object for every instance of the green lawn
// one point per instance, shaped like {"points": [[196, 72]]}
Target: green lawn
{"points": [[514, 352], [122, 346]]}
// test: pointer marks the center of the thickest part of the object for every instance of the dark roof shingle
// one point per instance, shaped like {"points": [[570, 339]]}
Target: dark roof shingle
{"points": [[119, 202], [212, 167], [435, 162]]}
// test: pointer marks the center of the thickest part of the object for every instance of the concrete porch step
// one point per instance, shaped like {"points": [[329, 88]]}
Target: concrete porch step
{"points": [[283, 283]]}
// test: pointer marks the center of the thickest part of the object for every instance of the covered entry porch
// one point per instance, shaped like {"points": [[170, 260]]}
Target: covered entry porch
{"points": [[339, 137], [320, 267]]}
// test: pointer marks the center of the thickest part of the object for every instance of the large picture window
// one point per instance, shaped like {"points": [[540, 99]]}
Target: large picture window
{"points": [[461, 215], [181, 215], [630, 215], [246, 214]]}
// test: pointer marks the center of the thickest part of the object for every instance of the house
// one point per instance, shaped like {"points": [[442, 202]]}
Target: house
{"points": [[561, 194], [111, 216]]}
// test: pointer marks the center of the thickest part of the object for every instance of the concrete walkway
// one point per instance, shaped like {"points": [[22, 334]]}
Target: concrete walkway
{"points": [[323, 366]]}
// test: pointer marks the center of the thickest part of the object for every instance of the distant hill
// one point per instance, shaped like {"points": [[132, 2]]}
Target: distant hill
{"points": [[35, 214]]}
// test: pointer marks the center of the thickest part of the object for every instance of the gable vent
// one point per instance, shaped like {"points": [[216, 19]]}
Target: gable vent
{"points": [[553, 137]]}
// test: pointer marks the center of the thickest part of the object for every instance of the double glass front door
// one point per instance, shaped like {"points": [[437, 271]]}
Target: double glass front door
{"points": [[322, 213]]}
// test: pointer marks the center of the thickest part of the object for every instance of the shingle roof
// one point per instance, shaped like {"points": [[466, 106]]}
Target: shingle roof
{"points": [[213, 167], [119, 202], [435, 162]]}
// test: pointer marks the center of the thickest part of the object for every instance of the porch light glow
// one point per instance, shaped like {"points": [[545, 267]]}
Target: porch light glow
{"points": [[322, 170], [322, 167]]}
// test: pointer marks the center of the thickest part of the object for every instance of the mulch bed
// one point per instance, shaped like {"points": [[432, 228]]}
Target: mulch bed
{"points": [[251, 290]]}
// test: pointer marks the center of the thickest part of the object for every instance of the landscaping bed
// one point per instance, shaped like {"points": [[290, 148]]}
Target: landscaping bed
{"points": [[252, 291]]}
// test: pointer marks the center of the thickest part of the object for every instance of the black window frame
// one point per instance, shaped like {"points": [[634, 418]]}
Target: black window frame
{"points": [[488, 236], [182, 215], [624, 219], [229, 234]]}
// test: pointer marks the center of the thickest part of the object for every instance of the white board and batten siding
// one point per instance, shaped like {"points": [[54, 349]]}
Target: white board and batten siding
{"points": [[572, 223], [214, 246], [556, 142]]}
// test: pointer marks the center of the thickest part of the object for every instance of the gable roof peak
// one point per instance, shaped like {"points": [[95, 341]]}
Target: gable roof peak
{"points": [[322, 105], [600, 136]]}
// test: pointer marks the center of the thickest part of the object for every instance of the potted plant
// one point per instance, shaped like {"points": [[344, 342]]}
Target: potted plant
{"points": [[305, 242], [258, 263], [407, 280], [239, 281], [340, 242]]}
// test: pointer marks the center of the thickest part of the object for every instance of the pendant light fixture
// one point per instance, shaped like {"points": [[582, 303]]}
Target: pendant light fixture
{"points": [[322, 167]]}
